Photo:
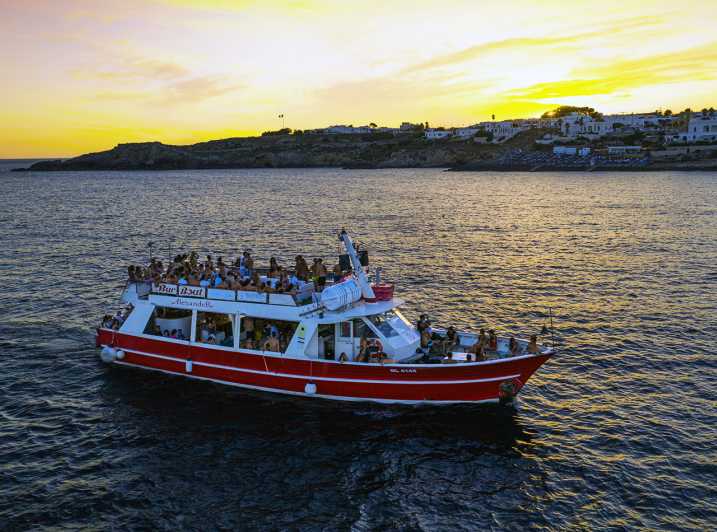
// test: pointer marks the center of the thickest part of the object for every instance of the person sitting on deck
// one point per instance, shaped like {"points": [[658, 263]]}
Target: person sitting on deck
{"points": [[271, 343], [203, 331], [319, 273], [338, 273], [256, 283], [483, 337], [478, 349], [343, 357], [302, 269], [273, 268], [204, 280], [533, 345], [422, 323], [426, 340], [249, 263], [107, 321], [249, 343], [451, 339], [492, 341], [513, 346]]}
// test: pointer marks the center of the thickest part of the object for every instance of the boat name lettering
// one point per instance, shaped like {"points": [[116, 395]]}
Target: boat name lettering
{"points": [[409, 370], [192, 303], [166, 289], [191, 291]]}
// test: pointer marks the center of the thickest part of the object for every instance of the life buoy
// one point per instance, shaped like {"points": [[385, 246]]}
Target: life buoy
{"points": [[375, 346]]}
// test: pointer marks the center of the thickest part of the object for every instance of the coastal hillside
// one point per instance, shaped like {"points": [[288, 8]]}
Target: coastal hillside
{"points": [[294, 151]]}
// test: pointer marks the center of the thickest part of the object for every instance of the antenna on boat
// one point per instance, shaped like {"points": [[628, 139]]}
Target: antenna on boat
{"points": [[552, 329], [150, 246], [366, 289]]}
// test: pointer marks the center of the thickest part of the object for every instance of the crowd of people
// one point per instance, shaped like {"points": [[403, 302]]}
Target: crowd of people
{"points": [[266, 335], [434, 343], [116, 321], [240, 274]]}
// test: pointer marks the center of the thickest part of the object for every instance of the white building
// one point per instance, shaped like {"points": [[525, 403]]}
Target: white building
{"points": [[582, 151], [433, 134], [701, 128], [466, 132], [583, 125], [503, 130], [347, 130]]}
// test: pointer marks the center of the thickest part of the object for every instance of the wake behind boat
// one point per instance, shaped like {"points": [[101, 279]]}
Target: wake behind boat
{"points": [[297, 333]]}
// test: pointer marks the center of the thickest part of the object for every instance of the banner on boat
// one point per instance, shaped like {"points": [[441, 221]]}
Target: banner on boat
{"points": [[191, 291], [165, 289], [179, 290]]}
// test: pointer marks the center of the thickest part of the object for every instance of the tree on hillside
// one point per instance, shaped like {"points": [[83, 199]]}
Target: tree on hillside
{"points": [[668, 112], [565, 110], [283, 131], [372, 125]]}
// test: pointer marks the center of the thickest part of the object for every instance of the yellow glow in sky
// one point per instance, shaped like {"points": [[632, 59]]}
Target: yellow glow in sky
{"points": [[82, 75]]}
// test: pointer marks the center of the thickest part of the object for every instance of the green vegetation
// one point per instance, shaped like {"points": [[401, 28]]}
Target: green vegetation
{"points": [[284, 131], [565, 110]]}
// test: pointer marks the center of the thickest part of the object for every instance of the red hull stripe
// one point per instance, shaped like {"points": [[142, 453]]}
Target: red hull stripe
{"points": [[304, 394], [315, 378]]}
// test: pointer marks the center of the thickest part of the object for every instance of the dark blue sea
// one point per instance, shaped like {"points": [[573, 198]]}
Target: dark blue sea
{"points": [[616, 432]]}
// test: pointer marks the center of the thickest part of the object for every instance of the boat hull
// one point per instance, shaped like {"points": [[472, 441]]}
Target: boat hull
{"points": [[390, 383]]}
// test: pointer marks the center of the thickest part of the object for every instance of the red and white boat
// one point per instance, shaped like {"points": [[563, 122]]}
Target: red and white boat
{"points": [[321, 336]]}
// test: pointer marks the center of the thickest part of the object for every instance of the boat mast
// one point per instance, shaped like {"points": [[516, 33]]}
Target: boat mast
{"points": [[366, 289]]}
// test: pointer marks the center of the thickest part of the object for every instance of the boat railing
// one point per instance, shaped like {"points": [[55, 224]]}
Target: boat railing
{"points": [[300, 298]]}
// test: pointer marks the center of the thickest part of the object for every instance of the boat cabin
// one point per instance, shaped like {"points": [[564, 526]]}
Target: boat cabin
{"points": [[300, 325]]}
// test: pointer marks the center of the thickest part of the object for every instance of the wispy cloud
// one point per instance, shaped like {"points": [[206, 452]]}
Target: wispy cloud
{"points": [[695, 64], [143, 68], [529, 44], [184, 91]]}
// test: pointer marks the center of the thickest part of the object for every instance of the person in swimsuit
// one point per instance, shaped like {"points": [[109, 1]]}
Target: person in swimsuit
{"points": [[533, 345], [492, 341]]}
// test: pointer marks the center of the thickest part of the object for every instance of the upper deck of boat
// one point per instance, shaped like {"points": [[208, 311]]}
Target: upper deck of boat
{"points": [[302, 302]]}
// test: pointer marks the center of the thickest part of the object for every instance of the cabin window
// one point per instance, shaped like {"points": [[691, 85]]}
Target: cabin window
{"points": [[362, 330], [215, 328], [325, 334], [345, 329], [266, 335], [170, 323], [383, 323]]}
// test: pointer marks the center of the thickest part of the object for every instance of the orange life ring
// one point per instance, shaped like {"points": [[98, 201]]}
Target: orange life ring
{"points": [[375, 345]]}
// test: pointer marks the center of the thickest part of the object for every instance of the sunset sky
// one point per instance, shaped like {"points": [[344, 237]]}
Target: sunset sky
{"points": [[81, 76]]}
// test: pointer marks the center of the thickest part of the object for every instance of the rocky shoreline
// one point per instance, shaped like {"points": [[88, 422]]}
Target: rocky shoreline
{"points": [[409, 150]]}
